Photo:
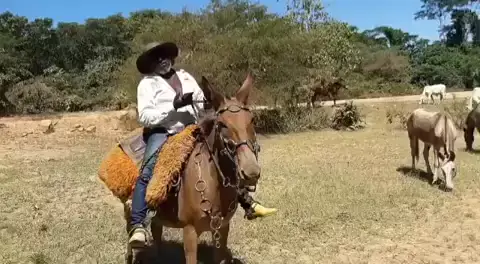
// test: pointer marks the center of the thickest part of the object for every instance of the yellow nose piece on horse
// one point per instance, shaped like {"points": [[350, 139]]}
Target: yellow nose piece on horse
{"points": [[261, 211]]}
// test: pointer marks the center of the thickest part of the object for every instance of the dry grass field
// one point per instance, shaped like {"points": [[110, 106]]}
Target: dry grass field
{"points": [[343, 197]]}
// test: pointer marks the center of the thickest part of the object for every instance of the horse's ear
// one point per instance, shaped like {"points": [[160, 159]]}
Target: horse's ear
{"points": [[244, 91], [212, 96]]}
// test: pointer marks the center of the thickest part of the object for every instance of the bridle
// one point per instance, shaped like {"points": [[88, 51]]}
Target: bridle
{"points": [[229, 146]]}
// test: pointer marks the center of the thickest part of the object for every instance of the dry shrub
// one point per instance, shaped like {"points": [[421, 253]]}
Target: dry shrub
{"points": [[457, 111], [34, 97], [39, 258], [292, 119], [347, 117], [400, 115]]}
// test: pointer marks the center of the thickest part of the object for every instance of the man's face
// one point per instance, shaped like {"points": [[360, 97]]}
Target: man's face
{"points": [[164, 65]]}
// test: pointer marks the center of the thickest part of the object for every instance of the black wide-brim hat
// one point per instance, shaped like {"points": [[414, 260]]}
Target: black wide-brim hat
{"points": [[154, 51]]}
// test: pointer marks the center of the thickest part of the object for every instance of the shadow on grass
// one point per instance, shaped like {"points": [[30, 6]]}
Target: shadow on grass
{"points": [[172, 252], [472, 151], [419, 174]]}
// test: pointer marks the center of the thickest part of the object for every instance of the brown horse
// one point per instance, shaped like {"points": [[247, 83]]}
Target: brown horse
{"points": [[329, 89], [206, 198]]}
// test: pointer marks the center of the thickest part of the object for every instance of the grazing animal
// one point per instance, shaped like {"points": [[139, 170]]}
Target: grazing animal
{"points": [[474, 99], [472, 121], [437, 130], [330, 89], [430, 90]]}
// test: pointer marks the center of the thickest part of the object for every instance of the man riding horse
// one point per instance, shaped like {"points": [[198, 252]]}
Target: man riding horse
{"points": [[165, 100]]}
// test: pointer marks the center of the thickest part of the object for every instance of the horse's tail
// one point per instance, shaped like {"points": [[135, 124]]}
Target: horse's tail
{"points": [[412, 137]]}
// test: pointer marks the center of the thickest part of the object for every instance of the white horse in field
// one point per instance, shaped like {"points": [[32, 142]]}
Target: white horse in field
{"points": [[437, 130], [430, 90], [474, 99]]}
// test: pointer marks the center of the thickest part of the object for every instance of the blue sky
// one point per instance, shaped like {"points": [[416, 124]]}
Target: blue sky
{"points": [[365, 14]]}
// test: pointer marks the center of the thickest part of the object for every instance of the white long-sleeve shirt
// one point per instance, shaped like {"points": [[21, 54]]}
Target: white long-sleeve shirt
{"points": [[155, 102]]}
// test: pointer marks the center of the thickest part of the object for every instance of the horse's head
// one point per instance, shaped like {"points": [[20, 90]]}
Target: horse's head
{"points": [[447, 165], [233, 129]]}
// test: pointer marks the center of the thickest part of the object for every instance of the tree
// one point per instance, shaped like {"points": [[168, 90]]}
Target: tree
{"points": [[440, 9], [463, 27], [306, 12], [390, 37]]}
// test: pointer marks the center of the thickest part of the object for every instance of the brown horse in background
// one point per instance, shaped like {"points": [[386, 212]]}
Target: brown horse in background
{"points": [[330, 89], [225, 158]]}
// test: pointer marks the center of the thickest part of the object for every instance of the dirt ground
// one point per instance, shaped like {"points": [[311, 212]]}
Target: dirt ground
{"points": [[343, 197]]}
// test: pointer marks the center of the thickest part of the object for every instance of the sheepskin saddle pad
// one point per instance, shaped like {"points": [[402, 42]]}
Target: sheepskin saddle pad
{"points": [[120, 168]]}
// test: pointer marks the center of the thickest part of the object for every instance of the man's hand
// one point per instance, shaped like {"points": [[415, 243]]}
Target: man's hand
{"points": [[181, 101]]}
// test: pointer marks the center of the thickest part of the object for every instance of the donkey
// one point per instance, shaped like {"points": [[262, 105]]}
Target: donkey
{"points": [[224, 159], [471, 122], [437, 130]]}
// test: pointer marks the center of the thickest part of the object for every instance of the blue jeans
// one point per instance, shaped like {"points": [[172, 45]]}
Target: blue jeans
{"points": [[155, 140]]}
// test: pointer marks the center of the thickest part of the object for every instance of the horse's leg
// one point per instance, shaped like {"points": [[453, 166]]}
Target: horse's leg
{"points": [[332, 98], [220, 255], [190, 244], [129, 255], [133, 255], [426, 150], [314, 98], [157, 231], [413, 150], [127, 210], [469, 137], [436, 165]]}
